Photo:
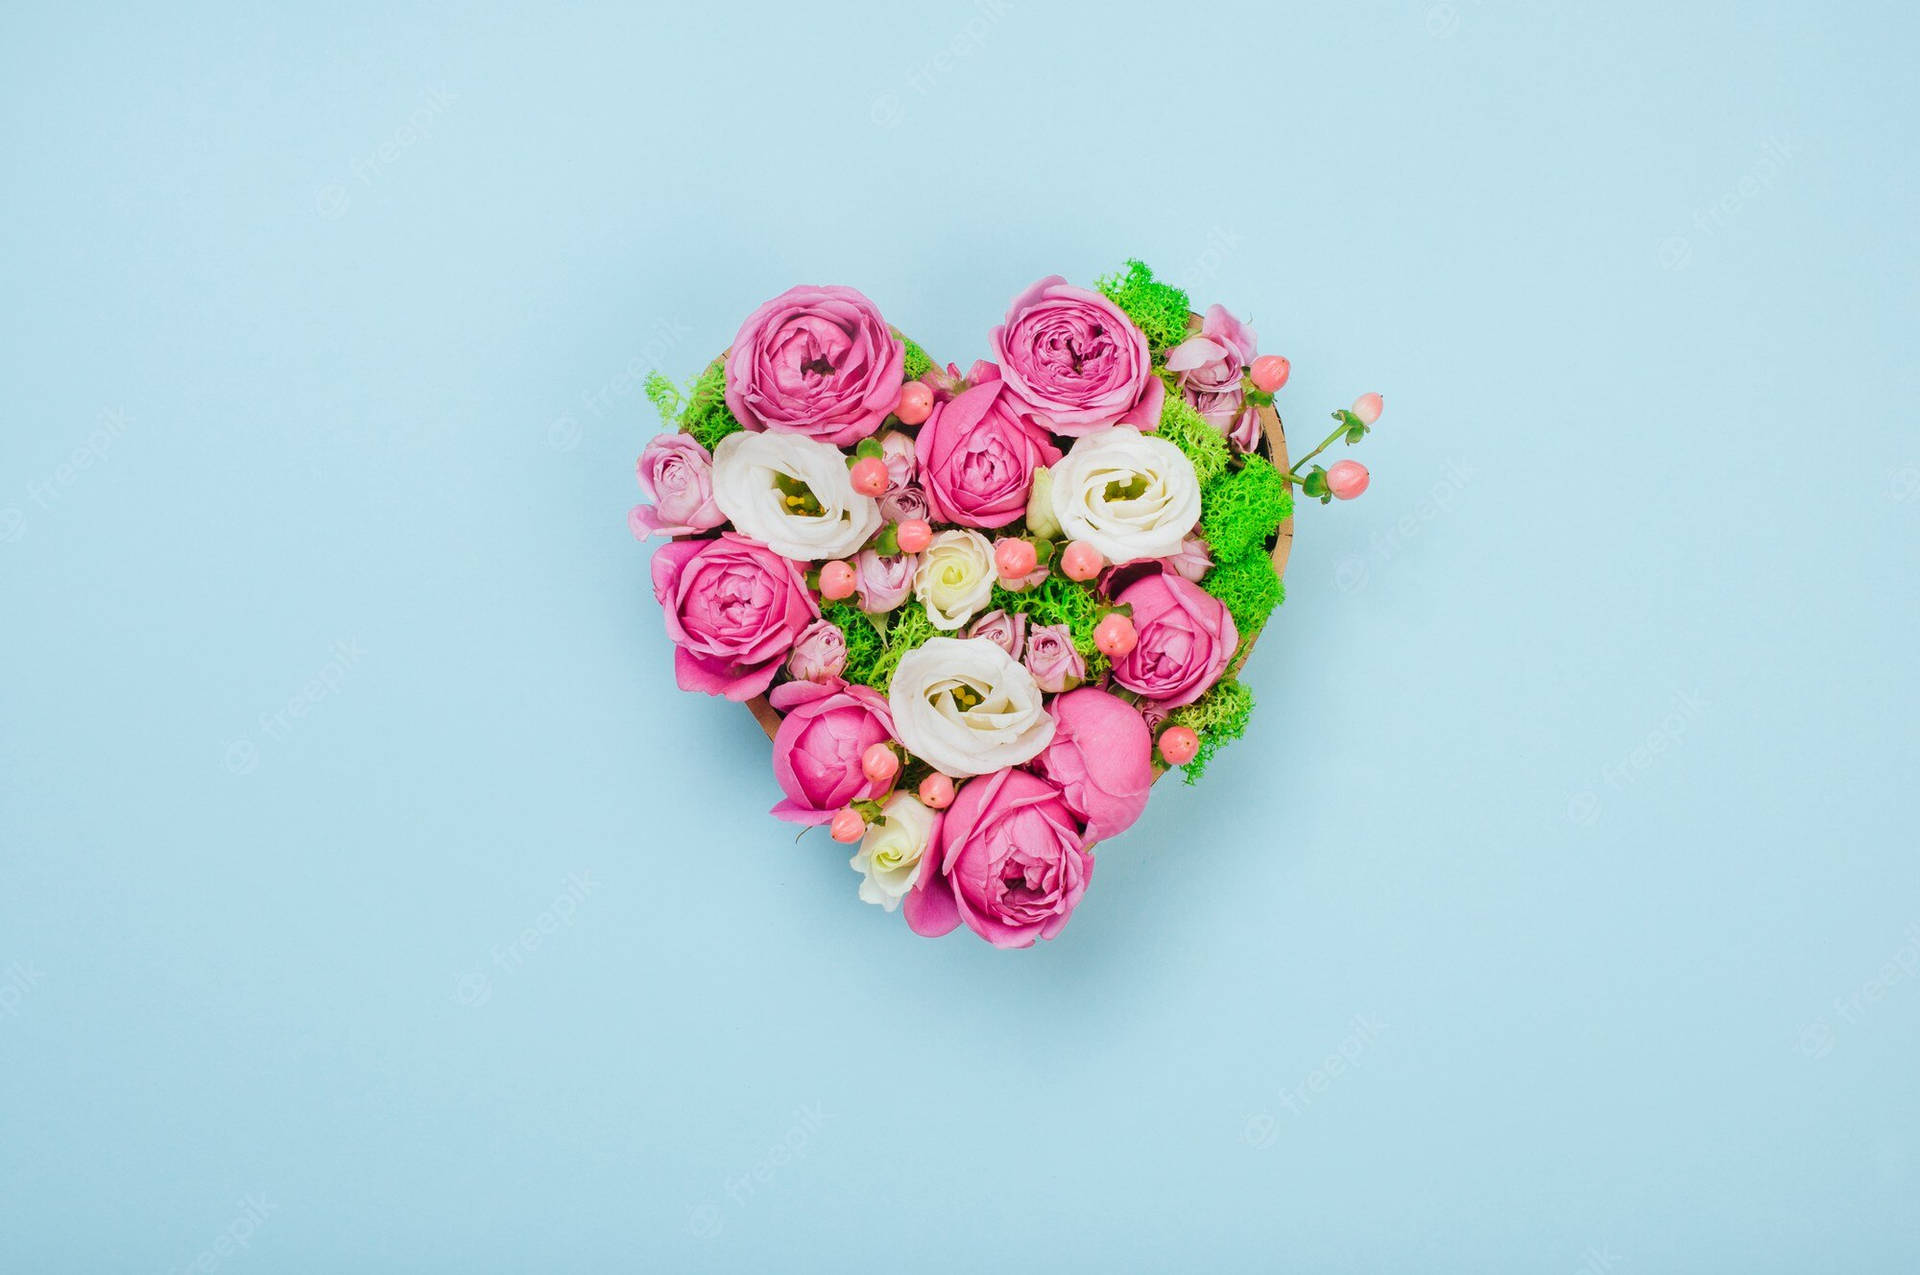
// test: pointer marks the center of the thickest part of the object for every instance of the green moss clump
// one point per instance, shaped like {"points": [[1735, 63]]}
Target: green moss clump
{"points": [[1186, 429], [1058, 600], [1219, 717], [665, 397], [918, 360], [706, 416], [1240, 511], [1158, 309], [907, 628], [1250, 587], [864, 643]]}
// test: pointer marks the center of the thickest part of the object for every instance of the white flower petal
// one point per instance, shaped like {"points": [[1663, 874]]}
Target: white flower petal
{"points": [[745, 466], [1153, 521], [1005, 727]]}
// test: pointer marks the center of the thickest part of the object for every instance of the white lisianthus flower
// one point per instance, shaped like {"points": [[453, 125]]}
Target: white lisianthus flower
{"points": [[955, 577], [966, 707], [793, 494], [1129, 495], [889, 855], [1040, 519]]}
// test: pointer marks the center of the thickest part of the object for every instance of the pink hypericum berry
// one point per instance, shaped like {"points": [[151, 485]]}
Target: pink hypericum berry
{"points": [[936, 791], [880, 763], [914, 535], [1270, 372], [1347, 479], [1367, 407], [847, 825], [838, 580], [869, 475], [1081, 561], [916, 403], [1178, 745], [1114, 635], [1015, 559]]}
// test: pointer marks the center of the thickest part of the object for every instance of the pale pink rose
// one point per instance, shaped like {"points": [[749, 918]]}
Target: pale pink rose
{"points": [[896, 449], [815, 361], [883, 583], [819, 653], [1008, 632], [1072, 357], [1010, 861], [1101, 759], [818, 748], [1185, 636], [977, 456], [676, 473], [1245, 431], [1214, 360], [733, 609], [950, 384], [1056, 664], [908, 502], [1192, 562]]}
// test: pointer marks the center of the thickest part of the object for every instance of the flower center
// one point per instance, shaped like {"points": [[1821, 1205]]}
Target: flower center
{"points": [[797, 496]]}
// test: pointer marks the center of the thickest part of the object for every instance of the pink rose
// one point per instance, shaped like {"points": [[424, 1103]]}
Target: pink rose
{"points": [[676, 473], [815, 361], [1213, 361], [1010, 860], [1192, 562], [883, 583], [1008, 632], [828, 727], [1101, 758], [1071, 356], [977, 456], [908, 502], [733, 609], [819, 653], [1245, 431], [896, 449], [1053, 660], [1185, 639]]}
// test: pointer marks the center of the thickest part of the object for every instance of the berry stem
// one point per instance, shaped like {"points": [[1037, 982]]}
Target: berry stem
{"points": [[1293, 476]]}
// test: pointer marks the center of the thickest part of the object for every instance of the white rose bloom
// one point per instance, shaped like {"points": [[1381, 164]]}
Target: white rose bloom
{"points": [[889, 855], [966, 707], [955, 577], [1129, 495], [757, 479]]}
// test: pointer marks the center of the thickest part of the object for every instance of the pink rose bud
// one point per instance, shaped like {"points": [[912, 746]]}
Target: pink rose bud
{"points": [[1347, 479], [916, 403], [880, 763], [1081, 561], [936, 791], [914, 535], [1008, 632], [903, 466], [838, 580], [1015, 559], [1367, 407], [1270, 372], [869, 475], [848, 827], [819, 654], [1051, 658], [1178, 745], [1114, 635], [884, 583]]}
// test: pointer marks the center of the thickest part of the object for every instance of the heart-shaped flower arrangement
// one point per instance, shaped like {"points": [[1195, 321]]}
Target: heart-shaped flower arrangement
{"points": [[979, 614]]}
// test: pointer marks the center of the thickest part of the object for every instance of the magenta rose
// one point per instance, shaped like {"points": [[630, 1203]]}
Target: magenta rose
{"points": [[676, 473], [827, 729], [977, 456], [1010, 861], [1053, 660], [1101, 759], [1185, 637], [1071, 356], [819, 653], [1008, 632], [733, 609], [883, 582], [815, 361]]}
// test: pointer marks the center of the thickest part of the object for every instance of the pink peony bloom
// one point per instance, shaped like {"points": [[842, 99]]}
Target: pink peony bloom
{"points": [[815, 361], [676, 473], [1071, 356], [977, 456], [1008, 632], [1053, 660], [884, 583], [819, 653], [818, 749], [1010, 861], [1186, 639], [733, 609], [1101, 759]]}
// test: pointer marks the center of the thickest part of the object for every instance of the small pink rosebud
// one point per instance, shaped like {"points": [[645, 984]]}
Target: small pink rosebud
{"points": [[1347, 479], [1367, 407], [848, 827], [1178, 745], [838, 580], [936, 791], [880, 763], [914, 535], [1081, 561], [1014, 559], [1115, 635], [869, 475], [1270, 372], [916, 403]]}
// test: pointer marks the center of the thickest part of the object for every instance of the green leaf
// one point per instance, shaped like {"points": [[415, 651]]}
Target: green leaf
{"points": [[1043, 551], [870, 446], [1355, 433], [888, 545], [1315, 484]]}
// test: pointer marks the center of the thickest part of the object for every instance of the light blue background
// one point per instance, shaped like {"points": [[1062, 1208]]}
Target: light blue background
{"points": [[1578, 813]]}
